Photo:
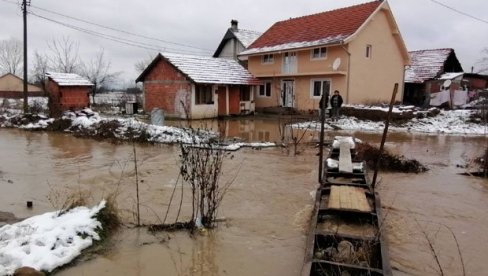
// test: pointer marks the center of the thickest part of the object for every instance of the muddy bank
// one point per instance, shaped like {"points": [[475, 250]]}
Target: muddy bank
{"points": [[388, 161]]}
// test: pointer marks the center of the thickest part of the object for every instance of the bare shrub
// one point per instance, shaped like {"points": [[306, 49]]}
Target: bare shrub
{"points": [[65, 198], [201, 168]]}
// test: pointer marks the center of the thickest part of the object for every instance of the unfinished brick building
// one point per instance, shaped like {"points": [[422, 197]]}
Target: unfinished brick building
{"points": [[67, 92]]}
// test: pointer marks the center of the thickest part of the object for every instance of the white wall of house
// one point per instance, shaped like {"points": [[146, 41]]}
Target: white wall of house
{"points": [[231, 48]]}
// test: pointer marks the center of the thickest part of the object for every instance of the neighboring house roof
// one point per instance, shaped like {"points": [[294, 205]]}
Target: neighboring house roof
{"points": [[68, 79], [11, 82], [451, 76], [427, 64], [245, 37], [324, 28], [207, 70]]}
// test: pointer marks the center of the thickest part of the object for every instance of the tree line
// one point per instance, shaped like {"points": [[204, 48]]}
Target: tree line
{"points": [[61, 56]]}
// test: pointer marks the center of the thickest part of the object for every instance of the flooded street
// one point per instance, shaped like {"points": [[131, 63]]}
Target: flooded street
{"points": [[266, 209]]}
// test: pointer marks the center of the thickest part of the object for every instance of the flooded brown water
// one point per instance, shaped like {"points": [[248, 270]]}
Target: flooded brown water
{"points": [[265, 213]]}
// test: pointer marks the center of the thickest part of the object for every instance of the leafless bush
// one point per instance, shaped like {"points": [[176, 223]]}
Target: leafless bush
{"points": [[201, 168], [65, 198]]}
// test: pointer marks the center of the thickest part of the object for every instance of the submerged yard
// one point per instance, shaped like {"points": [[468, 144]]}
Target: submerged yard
{"points": [[264, 216]]}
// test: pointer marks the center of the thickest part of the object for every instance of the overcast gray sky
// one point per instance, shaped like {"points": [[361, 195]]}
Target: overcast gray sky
{"points": [[424, 24]]}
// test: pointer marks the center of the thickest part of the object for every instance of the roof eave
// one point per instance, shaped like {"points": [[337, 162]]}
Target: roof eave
{"points": [[391, 20], [335, 43]]}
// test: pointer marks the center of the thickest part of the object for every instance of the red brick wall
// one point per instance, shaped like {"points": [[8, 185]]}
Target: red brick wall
{"points": [[74, 97], [66, 97], [163, 87], [475, 83], [234, 100]]}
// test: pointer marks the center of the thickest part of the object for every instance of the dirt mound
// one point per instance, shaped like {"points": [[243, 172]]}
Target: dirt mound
{"points": [[388, 161], [377, 115]]}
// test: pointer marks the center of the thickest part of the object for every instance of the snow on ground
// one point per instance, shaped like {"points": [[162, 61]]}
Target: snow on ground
{"points": [[89, 121], [47, 241], [447, 122]]}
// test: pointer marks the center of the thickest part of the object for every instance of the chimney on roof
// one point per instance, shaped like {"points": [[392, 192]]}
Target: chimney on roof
{"points": [[233, 24]]}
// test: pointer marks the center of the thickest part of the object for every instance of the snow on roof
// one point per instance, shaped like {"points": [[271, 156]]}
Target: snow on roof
{"points": [[246, 37], [211, 70], [450, 76], [426, 64], [326, 26], [295, 45], [68, 79]]}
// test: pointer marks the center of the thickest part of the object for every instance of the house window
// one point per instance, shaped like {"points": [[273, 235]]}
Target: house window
{"points": [[369, 50], [203, 94], [319, 53], [319, 87], [268, 58], [245, 93], [265, 89]]}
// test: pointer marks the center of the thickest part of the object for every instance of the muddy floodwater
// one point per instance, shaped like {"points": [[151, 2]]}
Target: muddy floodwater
{"points": [[265, 214]]}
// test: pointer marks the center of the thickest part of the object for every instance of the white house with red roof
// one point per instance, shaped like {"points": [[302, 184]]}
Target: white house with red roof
{"points": [[195, 87], [357, 50]]}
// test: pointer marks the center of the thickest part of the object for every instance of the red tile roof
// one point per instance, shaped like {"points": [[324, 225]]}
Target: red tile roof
{"points": [[321, 26]]}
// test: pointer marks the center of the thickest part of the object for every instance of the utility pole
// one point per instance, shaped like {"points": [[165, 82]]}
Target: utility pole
{"points": [[25, 3]]}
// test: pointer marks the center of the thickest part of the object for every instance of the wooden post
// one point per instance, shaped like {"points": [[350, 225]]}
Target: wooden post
{"points": [[385, 132], [321, 142], [24, 12]]}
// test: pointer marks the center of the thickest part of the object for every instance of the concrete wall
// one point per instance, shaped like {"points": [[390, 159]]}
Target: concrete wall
{"points": [[231, 48], [372, 79], [12, 86]]}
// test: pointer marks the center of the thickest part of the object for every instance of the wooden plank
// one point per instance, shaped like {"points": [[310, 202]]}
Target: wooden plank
{"points": [[345, 162], [348, 198]]}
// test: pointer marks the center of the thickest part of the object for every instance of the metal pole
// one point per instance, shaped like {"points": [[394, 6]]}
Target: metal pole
{"points": [[24, 10], [385, 132]]}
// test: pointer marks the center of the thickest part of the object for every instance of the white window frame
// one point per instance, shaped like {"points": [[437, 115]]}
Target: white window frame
{"points": [[322, 53], [312, 86], [267, 59], [265, 84], [369, 51]]}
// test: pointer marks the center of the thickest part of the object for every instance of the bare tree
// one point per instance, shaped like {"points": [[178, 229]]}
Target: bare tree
{"points": [[63, 57], [98, 72], [11, 56], [141, 65], [483, 62], [39, 69]]}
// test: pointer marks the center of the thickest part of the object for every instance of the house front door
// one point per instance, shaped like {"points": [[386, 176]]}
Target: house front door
{"points": [[287, 93], [222, 98]]}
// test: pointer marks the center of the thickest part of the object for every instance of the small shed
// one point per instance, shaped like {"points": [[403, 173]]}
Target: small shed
{"points": [[422, 77], [196, 87], [67, 91]]}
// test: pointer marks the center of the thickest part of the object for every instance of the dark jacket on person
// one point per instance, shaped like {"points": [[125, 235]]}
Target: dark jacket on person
{"points": [[336, 101]]}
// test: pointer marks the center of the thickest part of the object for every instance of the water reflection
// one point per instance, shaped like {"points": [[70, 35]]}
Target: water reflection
{"points": [[268, 198]]}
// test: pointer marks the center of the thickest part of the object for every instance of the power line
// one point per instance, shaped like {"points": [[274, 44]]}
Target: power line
{"points": [[128, 42], [118, 30], [460, 12], [114, 38]]}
